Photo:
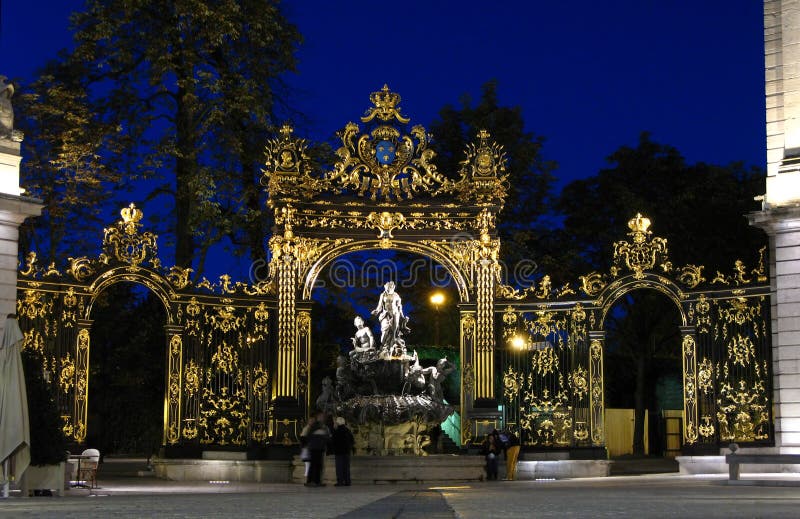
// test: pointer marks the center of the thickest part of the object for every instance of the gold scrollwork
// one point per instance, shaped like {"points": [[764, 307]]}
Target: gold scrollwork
{"points": [[641, 253], [512, 382], [691, 275], [384, 163], [226, 359], [179, 277], [705, 376], [741, 350], [191, 378], [66, 377], [482, 177], [303, 323], [260, 381], [578, 381], [125, 243]]}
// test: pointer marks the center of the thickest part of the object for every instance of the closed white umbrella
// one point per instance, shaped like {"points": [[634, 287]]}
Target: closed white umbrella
{"points": [[15, 435]]}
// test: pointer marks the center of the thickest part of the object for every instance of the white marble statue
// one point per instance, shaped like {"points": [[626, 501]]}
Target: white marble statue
{"points": [[6, 110]]}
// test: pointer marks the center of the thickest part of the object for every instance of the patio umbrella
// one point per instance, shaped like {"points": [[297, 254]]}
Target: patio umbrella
{"points": [[15, 436]]}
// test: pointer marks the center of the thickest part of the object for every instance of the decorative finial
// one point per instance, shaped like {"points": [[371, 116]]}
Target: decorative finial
{"points": [[385, 107], [286, 130], [639, 225], [131, 214]]}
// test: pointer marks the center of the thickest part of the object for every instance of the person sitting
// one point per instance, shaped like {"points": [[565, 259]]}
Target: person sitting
{"points": [[491, 451]]}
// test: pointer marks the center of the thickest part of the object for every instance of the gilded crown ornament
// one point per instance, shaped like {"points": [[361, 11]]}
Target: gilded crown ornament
{"points": [[638, 226], [131, 216], [385, 106], [124, 243], [640, 254], [385, 163]]}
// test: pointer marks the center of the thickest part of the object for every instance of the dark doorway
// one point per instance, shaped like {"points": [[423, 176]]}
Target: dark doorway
{"points": [[127, 372]]}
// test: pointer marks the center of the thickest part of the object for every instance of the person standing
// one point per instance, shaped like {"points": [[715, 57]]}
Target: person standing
{"points": [[343, 443], [511, 445], [318, 438]]}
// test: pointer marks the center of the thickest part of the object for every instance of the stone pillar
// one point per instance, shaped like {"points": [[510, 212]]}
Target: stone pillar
{"points": [[782, 224], [14, 209], [780, 215]]}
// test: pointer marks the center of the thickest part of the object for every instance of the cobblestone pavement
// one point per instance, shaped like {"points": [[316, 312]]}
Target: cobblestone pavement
{"points": [[637, 496]]}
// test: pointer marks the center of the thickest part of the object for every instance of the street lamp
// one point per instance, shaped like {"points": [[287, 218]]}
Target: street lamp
{"points": [[437, 298]]}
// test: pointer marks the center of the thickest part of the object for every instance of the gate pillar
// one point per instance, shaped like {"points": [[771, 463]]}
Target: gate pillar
{"points": [[173, 386], [597, 406], [290, 386], [689, 355], [80, 409], [484, 415]]}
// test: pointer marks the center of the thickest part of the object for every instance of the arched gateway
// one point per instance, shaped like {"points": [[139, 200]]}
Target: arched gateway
{"points": [[238, 354]]}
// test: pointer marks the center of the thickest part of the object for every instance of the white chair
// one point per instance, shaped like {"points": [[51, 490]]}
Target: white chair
{"points": [[88, 467]]}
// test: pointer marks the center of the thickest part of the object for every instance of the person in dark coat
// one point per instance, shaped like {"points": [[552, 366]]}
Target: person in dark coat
{"points": [[343, 443], [491, 451], [318, 439]]}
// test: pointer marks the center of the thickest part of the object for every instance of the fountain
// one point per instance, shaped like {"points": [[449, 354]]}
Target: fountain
{"points": [[390, 401]]}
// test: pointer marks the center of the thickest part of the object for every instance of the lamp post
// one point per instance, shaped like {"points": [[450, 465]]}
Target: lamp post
{"points": [[437, 298]]}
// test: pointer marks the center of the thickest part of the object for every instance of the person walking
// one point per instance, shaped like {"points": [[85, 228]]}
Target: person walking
{"points": [[511, 445], [318, 438], [343, 443], [305, 452]]}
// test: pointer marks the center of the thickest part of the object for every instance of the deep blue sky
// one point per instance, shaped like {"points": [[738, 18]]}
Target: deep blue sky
{"points": [[589, 75]]}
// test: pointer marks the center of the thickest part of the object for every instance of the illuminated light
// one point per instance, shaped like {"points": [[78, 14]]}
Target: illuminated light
{"points": [[518, 342], [437, 298], [464, 487]]}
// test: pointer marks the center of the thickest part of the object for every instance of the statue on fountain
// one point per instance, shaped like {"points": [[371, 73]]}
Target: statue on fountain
{"points": [[393, 322], [391, 400]]}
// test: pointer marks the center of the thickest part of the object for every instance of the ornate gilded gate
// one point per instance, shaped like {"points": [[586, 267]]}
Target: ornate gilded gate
{"points": [[217, 352], [238, 355], [552, 348]]}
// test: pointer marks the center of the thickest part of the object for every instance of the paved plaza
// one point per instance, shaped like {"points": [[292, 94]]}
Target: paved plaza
{"points": [[667, 495]]}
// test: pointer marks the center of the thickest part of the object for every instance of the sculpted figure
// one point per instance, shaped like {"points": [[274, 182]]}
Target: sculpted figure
{"points": [[363, 340], [6, 110], [326, 400], [390, 315]]}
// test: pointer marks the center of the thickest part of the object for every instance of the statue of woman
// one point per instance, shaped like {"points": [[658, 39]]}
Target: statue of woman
{"points": [[390, 314]]}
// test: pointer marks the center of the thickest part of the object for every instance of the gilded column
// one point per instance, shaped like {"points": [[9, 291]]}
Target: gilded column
{"points": [[467, 373], [689, 352], [81, 408], [173, 386], [304, 351], [284, 255], [596, 389], [484, 334]]}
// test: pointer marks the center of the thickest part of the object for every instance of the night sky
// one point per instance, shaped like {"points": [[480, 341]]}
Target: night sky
{"points": [[589, 75]]}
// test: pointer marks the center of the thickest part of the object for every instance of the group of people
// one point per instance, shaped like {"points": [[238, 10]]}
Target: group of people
{"points": [[501, 442], [317, 438]]}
